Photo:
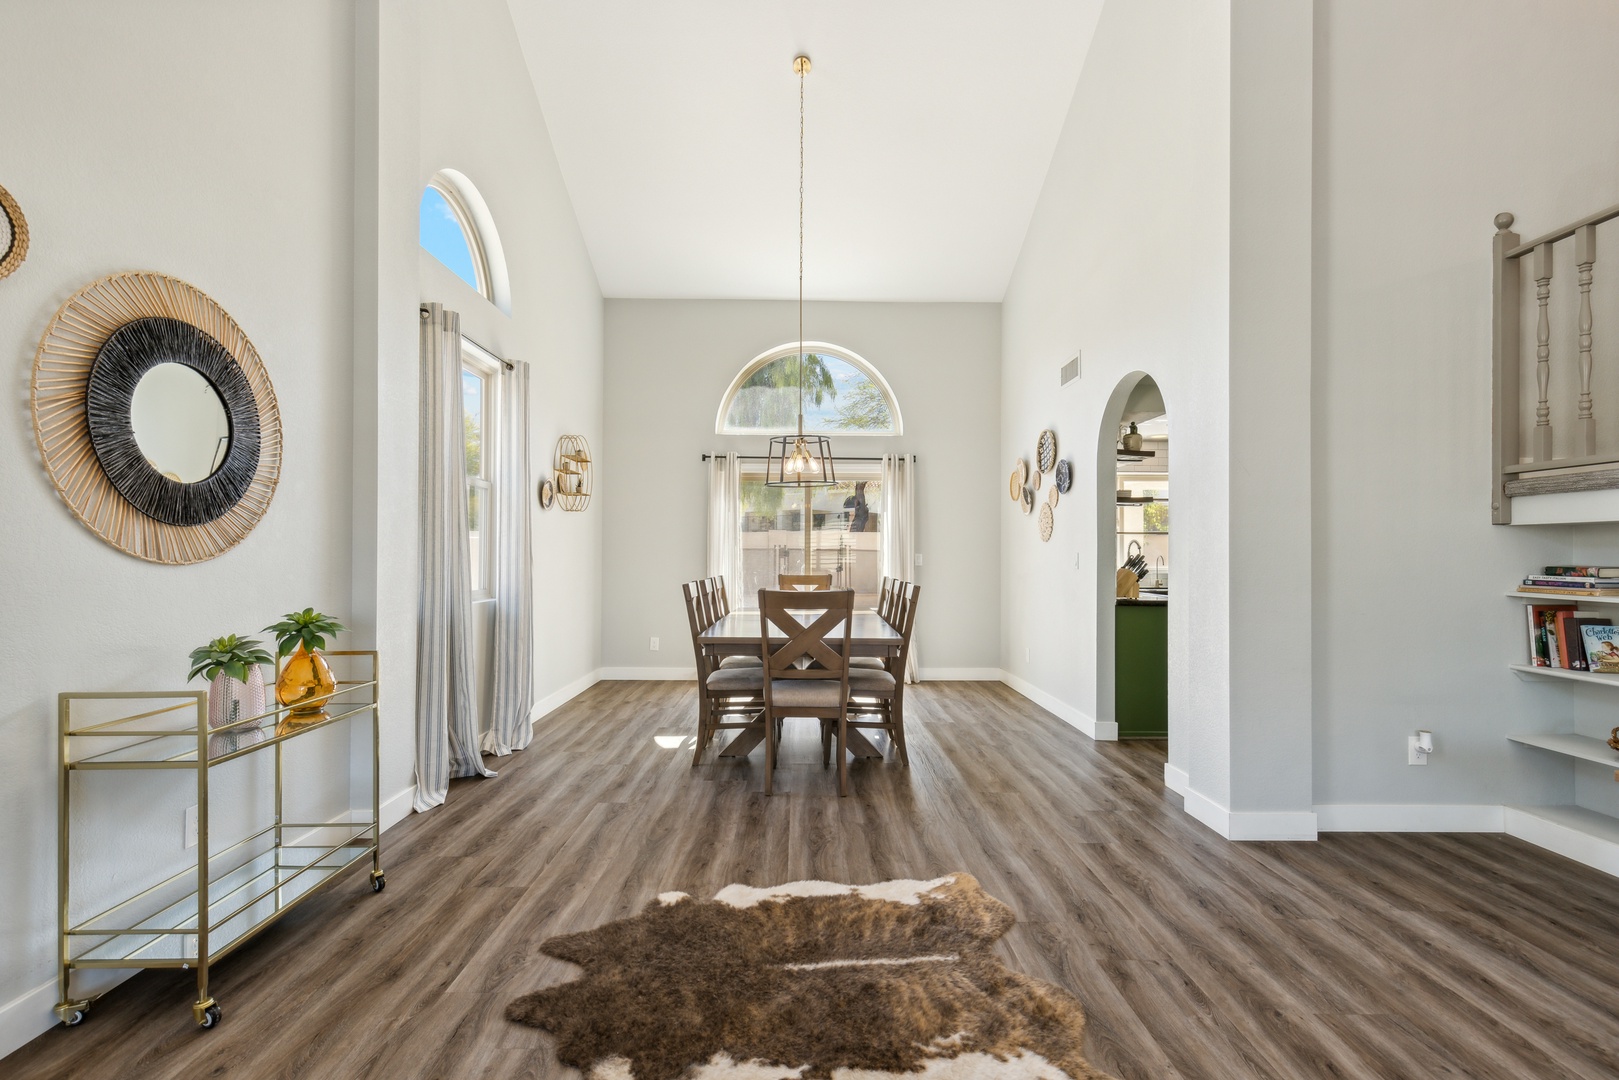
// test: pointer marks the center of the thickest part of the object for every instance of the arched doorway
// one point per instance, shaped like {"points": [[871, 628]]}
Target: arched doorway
{"points": [[1132, 555]]}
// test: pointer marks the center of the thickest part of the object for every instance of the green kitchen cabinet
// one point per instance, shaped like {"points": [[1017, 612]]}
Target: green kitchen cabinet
{"points": [[1141, 669]]}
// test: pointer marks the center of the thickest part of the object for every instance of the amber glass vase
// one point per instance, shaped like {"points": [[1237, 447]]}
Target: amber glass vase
{"points": [[304, 686]]}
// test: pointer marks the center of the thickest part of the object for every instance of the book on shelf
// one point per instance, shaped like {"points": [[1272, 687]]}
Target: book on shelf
{"points": [[1582, 571], [1541, 617], [1602, 648], [1571, 630], [1571, 585]]}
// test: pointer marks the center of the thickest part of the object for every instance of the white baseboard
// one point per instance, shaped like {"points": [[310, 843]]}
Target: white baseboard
{"points": [[621, 674], [1249, 824], [1408, 817], [567, 692], [396, 808], [1593, 841], [960, 674], [1100, 730], [1176, 780]]}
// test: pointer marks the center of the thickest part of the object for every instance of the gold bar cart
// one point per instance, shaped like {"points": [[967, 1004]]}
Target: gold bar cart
{"points": [[240, 889]]}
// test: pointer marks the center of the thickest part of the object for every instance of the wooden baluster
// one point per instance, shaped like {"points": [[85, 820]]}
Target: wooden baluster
{"points": [[1543, 353], [1585, 254], [1506, 425]]}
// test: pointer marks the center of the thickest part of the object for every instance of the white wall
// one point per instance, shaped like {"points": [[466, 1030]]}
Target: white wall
{"points": [[669, 362], [1431, 118], [249, 199], [289, 195], [480, 116], [1126, 261]]}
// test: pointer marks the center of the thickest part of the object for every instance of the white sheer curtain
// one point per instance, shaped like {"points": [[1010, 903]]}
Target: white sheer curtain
{"points": [[511, 664], [446, 721], [725, 523], [899, 531]]}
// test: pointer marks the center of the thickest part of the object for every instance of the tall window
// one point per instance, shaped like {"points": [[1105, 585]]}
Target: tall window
{"points": [[842, 393], [479, 386], [844, 537]]}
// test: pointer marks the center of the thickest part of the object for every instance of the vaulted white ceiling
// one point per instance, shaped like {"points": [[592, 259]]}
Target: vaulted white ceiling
{"points": [[930, 126]]}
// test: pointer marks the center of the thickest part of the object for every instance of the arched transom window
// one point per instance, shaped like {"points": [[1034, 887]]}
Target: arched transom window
{"points": [[456, 228], [842, 393]]}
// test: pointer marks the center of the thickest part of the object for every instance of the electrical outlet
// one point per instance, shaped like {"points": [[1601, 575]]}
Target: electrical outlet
{"points": [[919, 558], [188, 830], [1413, 756], [654, 645]]}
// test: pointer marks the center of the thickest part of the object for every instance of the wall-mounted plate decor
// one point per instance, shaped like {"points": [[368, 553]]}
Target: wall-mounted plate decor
{"points": [[1065, 476], [155, 418], [548, 494], [1036, 484], [1028, 500], [13, 234], [1047, 520], [1016, 486], [1051, 496], [1047, 450], [572, 469]]}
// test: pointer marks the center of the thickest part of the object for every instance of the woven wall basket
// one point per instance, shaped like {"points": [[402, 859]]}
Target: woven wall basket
{"points": [[62, 367]]}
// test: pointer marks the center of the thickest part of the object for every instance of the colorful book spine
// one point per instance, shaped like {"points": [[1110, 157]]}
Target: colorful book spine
{"points": [[1582, 571]]}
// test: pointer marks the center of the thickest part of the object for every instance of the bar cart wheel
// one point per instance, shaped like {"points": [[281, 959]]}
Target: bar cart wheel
{"points": [[208, 1014], [378, 881], [72, 1013]]}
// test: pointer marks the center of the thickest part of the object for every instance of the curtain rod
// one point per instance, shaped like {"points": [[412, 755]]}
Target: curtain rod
{"points": [[505, 362], [835, 458]]}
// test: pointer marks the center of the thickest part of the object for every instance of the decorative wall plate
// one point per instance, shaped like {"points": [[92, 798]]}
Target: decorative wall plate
{"points": [[1036, 484], [70, 402], [1065, 476], [1028, 500], [1022, 471], [548, 493], [1047, 521], [13, 234], [1051, 496], [1047, 450], [1016, 486]]}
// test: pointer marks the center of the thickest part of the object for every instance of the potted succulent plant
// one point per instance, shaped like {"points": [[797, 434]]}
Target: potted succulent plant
{"points": [[234, 668], [306, 681]]}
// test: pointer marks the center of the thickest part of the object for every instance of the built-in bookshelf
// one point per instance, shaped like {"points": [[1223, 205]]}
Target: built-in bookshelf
{"points": [[1576, 832]]}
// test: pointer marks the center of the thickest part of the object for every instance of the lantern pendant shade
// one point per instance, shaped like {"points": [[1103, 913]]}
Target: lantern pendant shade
{"points": [[800, 461]]}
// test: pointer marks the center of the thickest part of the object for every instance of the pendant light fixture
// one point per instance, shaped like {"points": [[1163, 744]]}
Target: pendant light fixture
{"points": [[800, 460]]}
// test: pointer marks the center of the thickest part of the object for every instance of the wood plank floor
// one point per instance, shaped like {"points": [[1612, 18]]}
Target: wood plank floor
{"points": [[1367, 956]]}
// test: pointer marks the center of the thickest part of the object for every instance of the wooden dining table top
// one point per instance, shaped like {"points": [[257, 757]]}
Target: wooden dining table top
{"points": [[867, 628]]}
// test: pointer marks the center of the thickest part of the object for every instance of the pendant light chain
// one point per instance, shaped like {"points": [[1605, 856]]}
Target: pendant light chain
{"points": [[801, 74]]}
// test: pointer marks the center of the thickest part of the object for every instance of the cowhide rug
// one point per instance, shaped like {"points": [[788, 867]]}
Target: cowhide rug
{"points": [[809, 980]]}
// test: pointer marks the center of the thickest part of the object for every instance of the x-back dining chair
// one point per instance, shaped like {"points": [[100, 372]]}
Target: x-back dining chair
{"points": [[805, 582], [721, 691], [807, 672]]}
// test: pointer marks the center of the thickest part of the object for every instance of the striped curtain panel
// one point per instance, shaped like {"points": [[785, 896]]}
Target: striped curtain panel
{"points": [[446, 720], [724, 527], [511, 724]]}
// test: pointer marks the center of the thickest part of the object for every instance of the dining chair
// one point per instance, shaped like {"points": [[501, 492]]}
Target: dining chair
{"points": [[721, 691], [806, 673], [887, 601], [805, 582], [719, 606], [879, 695]]}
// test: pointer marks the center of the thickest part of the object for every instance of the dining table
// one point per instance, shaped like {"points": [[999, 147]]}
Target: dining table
{"points": [[737, 634]]}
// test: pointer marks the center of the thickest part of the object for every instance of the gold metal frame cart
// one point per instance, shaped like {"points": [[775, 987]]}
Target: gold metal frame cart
{"points": [[196, 917]]}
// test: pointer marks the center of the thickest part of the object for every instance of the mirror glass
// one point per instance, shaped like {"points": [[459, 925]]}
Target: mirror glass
{"points": [[5, 233], [180, 423]]}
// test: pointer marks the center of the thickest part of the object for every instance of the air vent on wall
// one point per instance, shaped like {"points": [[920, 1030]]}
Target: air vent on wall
{"points": [[1070, 370]]}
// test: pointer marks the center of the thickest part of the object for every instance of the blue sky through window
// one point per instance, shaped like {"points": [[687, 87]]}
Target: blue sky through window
{"points": [[443, 239]]}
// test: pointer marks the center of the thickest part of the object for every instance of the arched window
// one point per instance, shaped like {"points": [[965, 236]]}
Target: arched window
{"points": [[457, 229], [842, 394]]}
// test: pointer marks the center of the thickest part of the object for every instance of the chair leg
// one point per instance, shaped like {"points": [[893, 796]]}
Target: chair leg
{"points": [[826, 743], [770, 752], [703, 733], [896, 720], [843, 753]]}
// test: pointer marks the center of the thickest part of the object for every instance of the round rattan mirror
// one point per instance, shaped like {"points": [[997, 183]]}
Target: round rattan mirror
{"points": [[13, 234], [155, 418]]}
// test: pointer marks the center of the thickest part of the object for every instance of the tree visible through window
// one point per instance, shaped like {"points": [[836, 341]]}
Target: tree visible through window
{"points": [[841, 393]]}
